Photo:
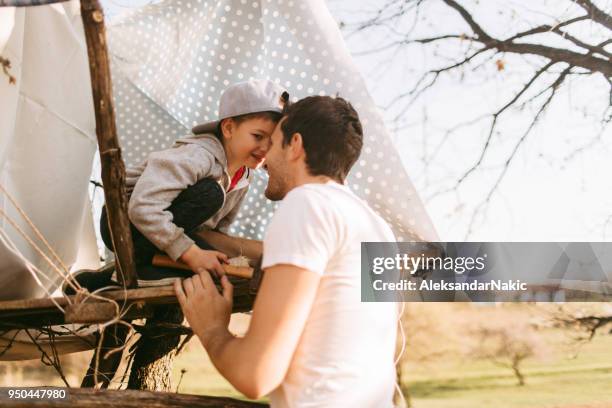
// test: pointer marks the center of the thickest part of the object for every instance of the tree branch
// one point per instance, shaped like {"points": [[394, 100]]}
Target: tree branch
{"points": [[553, 88], [496, 115], [476, 28], [546, 27], [595, 13], [587, 61]]}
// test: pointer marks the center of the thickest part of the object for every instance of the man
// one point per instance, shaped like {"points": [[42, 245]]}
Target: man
{"points": [[311, 341]]}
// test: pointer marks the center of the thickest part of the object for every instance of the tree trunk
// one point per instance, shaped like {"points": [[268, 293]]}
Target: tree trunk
{"points": [[155, 353], [517, 372]]}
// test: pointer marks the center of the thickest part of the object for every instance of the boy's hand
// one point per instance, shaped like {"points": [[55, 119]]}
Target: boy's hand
{"points": [[199, 260]]}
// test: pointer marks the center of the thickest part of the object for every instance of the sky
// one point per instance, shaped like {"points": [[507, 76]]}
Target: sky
{"points": [[544, 196]]}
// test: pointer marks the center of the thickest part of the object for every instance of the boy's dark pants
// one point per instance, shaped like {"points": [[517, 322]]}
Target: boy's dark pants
{"points": [[190, 209]]}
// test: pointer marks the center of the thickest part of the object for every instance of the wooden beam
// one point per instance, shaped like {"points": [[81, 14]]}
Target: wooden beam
{"points": [[35, 313], [27, 3], [113, 168], [87, 397]]}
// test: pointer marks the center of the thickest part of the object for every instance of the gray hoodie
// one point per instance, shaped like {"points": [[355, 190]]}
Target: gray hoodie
{"points": [[154, 184]]}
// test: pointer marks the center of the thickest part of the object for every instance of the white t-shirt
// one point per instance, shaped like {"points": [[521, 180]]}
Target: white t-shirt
{"points": [[345, 355]]}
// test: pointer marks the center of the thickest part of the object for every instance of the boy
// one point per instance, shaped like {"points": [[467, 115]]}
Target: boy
{"points": [[200, 181]]}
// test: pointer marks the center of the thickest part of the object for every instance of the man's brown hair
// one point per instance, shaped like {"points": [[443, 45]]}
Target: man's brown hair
{"points": [[331, 131]]}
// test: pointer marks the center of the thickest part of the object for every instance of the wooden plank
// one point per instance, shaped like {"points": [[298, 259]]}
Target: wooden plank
{"points": [[28, 3], [113, 168], [155, 294], [87, 397], [35, 313], [90, 312]]}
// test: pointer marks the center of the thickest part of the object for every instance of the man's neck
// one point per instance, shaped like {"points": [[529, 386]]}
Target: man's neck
{"points": [[305, 178]]}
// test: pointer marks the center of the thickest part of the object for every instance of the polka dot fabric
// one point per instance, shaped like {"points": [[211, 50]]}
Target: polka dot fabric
{"points": [[171, 61]]}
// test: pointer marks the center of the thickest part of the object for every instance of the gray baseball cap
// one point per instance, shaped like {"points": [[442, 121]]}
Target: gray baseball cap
{"points": [[253, 96]]}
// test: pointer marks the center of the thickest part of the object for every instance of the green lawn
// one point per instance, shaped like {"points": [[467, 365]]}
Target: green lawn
{"points": [[560, 380]]}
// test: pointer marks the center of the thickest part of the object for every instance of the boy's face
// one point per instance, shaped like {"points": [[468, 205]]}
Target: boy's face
{"points": [[250, 141]]}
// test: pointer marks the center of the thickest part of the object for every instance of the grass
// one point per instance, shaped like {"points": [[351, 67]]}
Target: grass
{"points": [[559, 381]]}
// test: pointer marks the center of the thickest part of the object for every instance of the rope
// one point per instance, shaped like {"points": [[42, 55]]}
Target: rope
{"points": [[36, 230], [398, 387], [29, 266], [62, 274], [82, 294]]}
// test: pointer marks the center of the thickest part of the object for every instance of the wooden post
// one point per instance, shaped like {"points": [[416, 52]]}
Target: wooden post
{"points": [[113, 179], [113, 168]]}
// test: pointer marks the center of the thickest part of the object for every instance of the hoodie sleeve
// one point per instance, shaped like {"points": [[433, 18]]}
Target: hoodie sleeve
{"points": [[166, 174]]}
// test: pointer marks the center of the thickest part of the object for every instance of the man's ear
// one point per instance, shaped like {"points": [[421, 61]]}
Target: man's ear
{"points": [[296, 147]]}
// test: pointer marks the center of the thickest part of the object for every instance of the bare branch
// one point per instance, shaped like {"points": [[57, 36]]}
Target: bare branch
{"points": [[416, 91], [495, 117], [580, 57], [546, 27], [593, 48], [595, 13], [399, 43], [586, 61], [480, 33], [553, 88]]}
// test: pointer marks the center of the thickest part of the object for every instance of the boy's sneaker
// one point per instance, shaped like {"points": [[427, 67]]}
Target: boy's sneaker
{"points": [[106, 277], [93, 280], [152, 276]]}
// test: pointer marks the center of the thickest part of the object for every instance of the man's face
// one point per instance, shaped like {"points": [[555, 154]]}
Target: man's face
{"points": [[277, 166]]}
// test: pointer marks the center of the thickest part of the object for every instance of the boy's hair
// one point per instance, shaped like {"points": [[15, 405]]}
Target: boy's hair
{"points": [[331, 131], [269, 115]]}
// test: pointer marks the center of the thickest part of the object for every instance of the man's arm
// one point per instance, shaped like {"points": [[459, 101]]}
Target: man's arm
{"points": [[257, 363], [233, 246]]}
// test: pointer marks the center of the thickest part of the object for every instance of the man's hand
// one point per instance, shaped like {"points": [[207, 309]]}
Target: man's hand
{"points": [[207, 311], [199, 259]]}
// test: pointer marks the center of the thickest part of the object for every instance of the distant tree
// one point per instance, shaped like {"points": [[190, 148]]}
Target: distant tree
{"points": [[506, 347]]}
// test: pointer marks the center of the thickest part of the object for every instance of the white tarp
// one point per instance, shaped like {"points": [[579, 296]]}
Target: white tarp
{"points": [[47, 140], [171, 61]]}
